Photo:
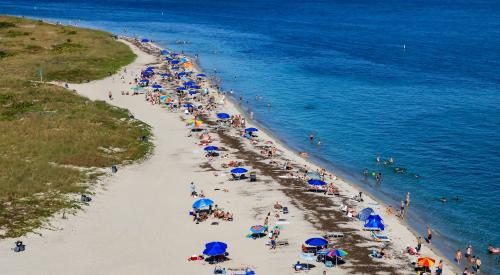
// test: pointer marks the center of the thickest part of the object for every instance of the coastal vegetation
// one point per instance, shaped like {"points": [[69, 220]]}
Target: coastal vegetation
{"points": [[53, 142]]}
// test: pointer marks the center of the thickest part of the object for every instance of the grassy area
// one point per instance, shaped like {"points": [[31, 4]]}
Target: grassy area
{"points": [[51, 140]]}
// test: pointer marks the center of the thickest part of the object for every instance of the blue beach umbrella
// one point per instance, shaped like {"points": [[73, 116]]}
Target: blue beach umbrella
{"points": [[188, 105], [316, 182], [202, 203], [323, 251], [175, 62], [365, 214], [144, 40], [174, 54], [215, 248], [316, 242], [189, 83], [374, 221], [164, 52], [164, 75], [223, 116], [195, 87], [239, 170], [144, 81], [182, 74], [211, 148], [175, 68], [192, 92], [180, 88], [156, 86], [201, 75], [250, 130]]}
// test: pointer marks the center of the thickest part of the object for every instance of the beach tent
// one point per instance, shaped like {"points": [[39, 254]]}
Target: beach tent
{"points": [[316, 182], [215, 249], [365, 213], [316, 242], [374, 222], [223, 116], [202, 203]]}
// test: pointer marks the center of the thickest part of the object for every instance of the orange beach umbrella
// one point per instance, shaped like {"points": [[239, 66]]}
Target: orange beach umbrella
{"points": [[426, 261]]}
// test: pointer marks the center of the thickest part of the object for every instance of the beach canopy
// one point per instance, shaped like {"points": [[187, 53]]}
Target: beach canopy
{"points": [[316, 182], [257, 229], [374, 221], [251, 129], [223, 116], [239, 170], [365, 213], [316, 242], [426, 261], [156, 86], [202, 203], [215, 249], [201, 75], [211, 148]]}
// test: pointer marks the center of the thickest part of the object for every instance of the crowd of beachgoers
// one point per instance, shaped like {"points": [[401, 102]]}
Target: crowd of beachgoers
{"points": [[179, 86]]}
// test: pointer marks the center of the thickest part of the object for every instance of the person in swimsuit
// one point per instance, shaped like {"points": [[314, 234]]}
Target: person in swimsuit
{"points": [[402, 209], [478, 266], [429, 234], [311, 138], [458, 256], [408, 199], [419, 244], [439, 269], [468, 252]]}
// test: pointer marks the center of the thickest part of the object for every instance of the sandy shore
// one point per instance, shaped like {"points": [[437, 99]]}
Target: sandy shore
{"points": [[138, 221]]}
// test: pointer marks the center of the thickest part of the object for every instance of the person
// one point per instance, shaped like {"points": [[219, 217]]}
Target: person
{"points": [[192, 187], [319, 143], [110, 95], [408, 199], [466, 271], [468, 252], [311, 137], [458, 256], [429, 234], [419, 243], [273, 241], [391, 161], [402, 209], [365, 173], [478, 266], [378, 159], [439, 269], [389, 211]]}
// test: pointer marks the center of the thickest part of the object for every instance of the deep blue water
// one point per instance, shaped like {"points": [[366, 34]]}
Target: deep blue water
{"points": [[340, 70]]}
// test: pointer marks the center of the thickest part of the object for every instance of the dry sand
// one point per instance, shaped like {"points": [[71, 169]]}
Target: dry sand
{"points": [[138, 222]]}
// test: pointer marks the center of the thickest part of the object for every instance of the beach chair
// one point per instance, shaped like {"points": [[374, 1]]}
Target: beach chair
{"points": [[379, 237]]}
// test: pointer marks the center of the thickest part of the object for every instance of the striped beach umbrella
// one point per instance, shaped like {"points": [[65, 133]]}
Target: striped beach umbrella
{"points": [[426, 261]]}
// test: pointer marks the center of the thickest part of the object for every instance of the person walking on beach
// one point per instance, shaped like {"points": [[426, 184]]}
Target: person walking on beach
{"points": [[402, 209], [429, 234], [110, 95], [419, 243], [192, 188]]}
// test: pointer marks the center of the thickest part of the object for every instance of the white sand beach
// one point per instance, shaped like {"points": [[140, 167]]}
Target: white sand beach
{"points": [[138, 221]]}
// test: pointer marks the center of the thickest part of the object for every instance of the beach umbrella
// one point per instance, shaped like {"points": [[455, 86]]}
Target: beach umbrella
{"points": [[144, 40], [223, 116], [337, 253], [192, 92], [164, 52], [323, 251], [202, 203], [201, 75], [188, 105], [180, 88], [195, 87], [156, 86], [181, 73], [214, 250], [239, 170], [316, 182], [426, 261], [218, 244], [175, 62], [144, 81], [149, 68], [257, 229], [164, 75], [175, 68], [316, 242], [365, 214], [374, 221], [174, 54], [211, 148], [189, 83], [250, 130], [308, 257]]}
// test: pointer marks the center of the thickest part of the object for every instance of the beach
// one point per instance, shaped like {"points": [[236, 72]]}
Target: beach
{"points": [[138, 221]]}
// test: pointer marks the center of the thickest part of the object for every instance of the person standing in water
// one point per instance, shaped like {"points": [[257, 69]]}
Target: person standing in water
{"points": [[402, 209], [408, 199], [319, 143], [429, 234], [365, 173], [311, 137], [378, 159], [391, 161]]}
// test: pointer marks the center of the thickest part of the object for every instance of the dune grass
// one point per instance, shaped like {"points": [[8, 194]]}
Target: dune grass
{"points": [[51, 139]]}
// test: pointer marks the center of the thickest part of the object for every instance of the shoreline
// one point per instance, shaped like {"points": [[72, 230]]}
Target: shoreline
{"points": [[290, 153]]}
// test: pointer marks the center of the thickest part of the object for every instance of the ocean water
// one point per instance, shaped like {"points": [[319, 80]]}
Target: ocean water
{"points": [[415, 80]]}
